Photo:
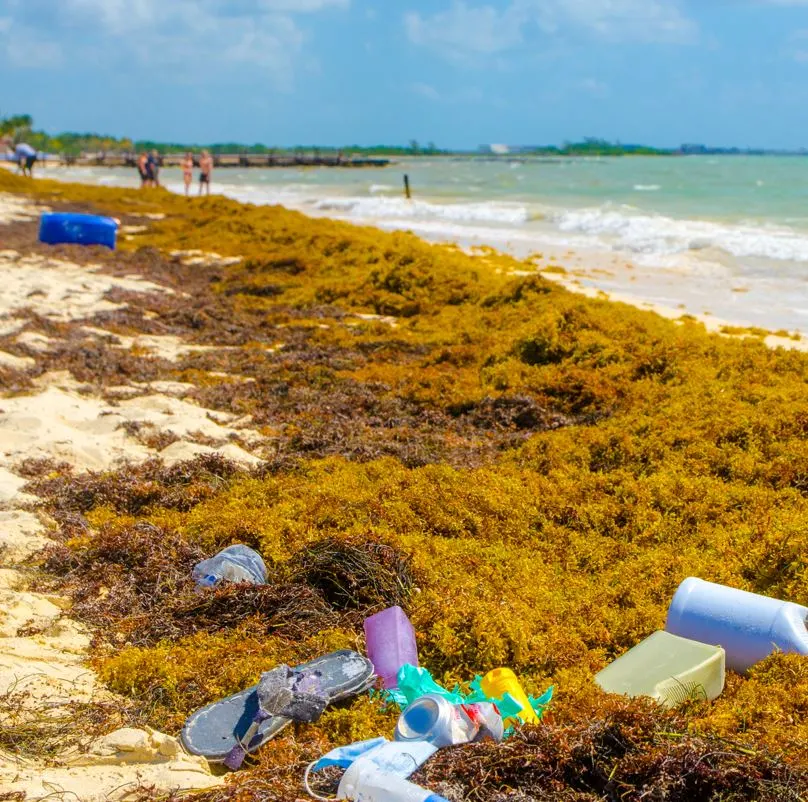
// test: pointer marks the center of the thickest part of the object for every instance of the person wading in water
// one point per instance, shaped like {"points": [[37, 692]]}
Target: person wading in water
{"points": [[187, 172], [205, 171], [143, 169]]}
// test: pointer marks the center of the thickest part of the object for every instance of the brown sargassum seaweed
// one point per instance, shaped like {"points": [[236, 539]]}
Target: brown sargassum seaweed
{"points": [[528, 472]]}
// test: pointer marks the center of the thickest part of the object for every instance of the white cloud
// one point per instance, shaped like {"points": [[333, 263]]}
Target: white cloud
{"points": [[25, 51], [201, 36], [638, 20], [465, 30], [25, 47]]}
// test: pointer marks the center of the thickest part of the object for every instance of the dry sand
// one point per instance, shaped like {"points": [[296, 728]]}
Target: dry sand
{"points": [[60, 420]]}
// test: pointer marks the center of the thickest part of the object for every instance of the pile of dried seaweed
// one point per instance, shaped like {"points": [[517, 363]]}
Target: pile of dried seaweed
{"points": [[132, 583], [631, 752]]}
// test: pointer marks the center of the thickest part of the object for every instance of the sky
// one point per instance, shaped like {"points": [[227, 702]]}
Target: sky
{"points": [[458, 73]]}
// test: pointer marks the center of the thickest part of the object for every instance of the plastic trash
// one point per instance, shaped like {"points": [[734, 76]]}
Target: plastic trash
{"points": [[667, 668], [398, 758], [500, 682], [393, 759], [749, 627], [237, 563], [56, 228], [414, 682], [343, 756], [391, 644], [365, 782], [434, 719], [488, 719]]}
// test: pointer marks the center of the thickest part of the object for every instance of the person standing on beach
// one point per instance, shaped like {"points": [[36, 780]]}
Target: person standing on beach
{"points": [[26, 157], [187, 172], [143, 169], [205, 171], [153, 169]]}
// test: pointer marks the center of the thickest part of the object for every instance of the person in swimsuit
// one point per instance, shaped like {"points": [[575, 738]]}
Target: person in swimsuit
{"points": [[205, 171], [187, 172], [26, 157], [153, 168], [143, 169]]}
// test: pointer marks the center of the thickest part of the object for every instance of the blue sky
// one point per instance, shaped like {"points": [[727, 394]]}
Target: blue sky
{"points": [[456, 72]]}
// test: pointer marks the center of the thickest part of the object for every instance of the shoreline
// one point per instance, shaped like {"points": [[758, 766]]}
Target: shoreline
{"points": [[711, 292]]}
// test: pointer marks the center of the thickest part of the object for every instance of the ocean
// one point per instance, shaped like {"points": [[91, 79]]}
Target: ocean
{"points": [[725, 237]]}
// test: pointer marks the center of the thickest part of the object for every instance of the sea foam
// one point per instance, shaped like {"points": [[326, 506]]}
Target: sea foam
{"points": [[382, 208], [628, 230]]}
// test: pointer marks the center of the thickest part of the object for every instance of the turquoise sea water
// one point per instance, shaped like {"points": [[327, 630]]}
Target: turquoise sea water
{"points": [[728, 235]]}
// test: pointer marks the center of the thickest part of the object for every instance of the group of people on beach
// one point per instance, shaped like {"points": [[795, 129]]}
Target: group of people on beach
{"points": [[148, 166]]}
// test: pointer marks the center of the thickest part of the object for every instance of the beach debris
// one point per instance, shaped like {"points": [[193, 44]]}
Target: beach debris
{"points": [[395, 758], [390, 643], [237, 563], [283, 692], [434, 719], [501, 683], [56, 228], [237, 725], [748, 626], [667, 668], [343, 756], [366, 782], [416, 682], [389, 762], [292, 693]]}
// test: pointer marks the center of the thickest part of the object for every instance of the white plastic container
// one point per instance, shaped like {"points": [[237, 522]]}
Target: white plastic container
{"points": [[666, 668], [749, 627], [364, 782]]}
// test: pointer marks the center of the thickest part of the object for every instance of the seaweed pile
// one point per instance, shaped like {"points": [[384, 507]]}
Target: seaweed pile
{"points": [[528, 472]]}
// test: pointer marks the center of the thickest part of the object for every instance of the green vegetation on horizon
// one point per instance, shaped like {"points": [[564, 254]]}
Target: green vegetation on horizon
{"points": [[20, 127]]}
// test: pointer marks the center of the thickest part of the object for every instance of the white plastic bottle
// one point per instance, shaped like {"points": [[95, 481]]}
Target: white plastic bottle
{"points": [[365, 782], [749, 627]]}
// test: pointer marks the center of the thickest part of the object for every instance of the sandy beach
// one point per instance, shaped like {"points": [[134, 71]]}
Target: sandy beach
{"points": [[62, 419]]}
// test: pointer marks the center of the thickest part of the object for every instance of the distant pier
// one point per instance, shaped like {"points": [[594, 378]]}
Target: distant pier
{"points": [[231, 160]]}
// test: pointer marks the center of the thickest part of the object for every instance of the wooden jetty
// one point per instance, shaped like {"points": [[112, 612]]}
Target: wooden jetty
{"points": [[231, 160]]}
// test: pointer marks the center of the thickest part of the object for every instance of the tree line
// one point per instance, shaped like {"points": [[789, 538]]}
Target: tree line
{"points": [[20, 127]]}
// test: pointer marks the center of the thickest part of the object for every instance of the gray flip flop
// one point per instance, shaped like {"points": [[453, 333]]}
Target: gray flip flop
{"points": [[219, 729]]}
